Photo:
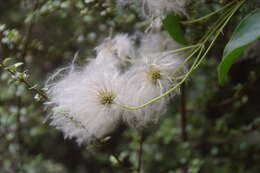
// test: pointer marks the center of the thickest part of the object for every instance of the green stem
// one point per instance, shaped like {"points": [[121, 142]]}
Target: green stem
{"points": [[169, 52], [193, 53], [208, 15], [183, 49], [216, 25], [218, 32]]}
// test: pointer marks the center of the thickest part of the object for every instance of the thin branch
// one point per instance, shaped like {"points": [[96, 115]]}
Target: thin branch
{"points": [[18, 129], [26, 82], [184, 134], [120, 163], [19, 99], [23, 55], [140, 153], [29, 31], [183, 114]]}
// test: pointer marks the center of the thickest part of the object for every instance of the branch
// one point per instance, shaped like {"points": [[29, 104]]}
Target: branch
{"points": [[183, 114], [183, 111], [140, 153], [23, 55], [19, 99], [26, 82], [29, 32]]}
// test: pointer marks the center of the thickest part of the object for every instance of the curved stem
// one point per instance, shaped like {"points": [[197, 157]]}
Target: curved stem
{"points": [[129, 60], [165, 93]]}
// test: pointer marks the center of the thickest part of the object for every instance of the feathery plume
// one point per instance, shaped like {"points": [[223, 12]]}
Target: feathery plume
{"points": [[115, 52], [149, 77], [159, 8], [84, 103], [154, 43]]}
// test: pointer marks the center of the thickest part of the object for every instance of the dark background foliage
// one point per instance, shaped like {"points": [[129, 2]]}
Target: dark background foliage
{"points": [[221, 121]]}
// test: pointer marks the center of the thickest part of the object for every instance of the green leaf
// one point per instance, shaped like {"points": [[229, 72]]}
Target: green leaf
{"points": [[6, 61], [15, 66], [172, 24], [2, 27], [18, 64], [33, 87], [38, 97], [113, 160], [246, 33], [21, 75]]}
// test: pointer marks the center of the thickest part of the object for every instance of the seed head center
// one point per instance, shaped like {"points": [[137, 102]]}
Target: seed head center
{"points": [[106, 97], [154, 73]]}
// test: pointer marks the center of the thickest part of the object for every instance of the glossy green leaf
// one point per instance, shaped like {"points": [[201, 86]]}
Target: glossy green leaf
{"points": [[172, 24], [246, 33]]}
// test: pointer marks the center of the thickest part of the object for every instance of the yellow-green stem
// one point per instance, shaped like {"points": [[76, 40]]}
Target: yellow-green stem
{"points": [[165, 93], [216, 25], [219, 31], [183, 49], [193, 53], [208, 15]]}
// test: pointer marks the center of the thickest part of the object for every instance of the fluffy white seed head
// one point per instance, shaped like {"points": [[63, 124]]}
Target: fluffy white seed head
{"points": [[148, 78], [123, 3], [159, 8], [155, 71], [115, 52], [153, 43], [84, 103]]}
